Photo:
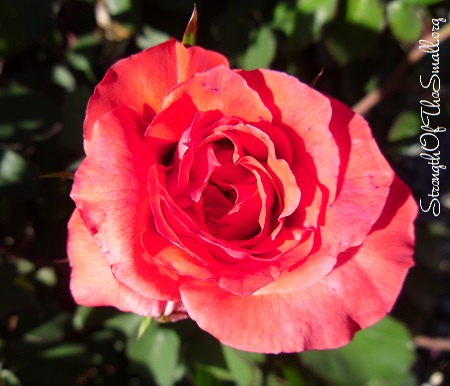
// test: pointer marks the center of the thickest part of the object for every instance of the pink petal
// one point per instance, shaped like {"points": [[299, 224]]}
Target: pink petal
{"points": [[363, 184], [93, 284], [221, 89], [141, 81], [381, 263], [287, 316], [110, 190], [303, 114]]}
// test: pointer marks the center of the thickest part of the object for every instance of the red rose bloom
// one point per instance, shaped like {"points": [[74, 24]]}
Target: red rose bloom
{"points": [[246, 200]]}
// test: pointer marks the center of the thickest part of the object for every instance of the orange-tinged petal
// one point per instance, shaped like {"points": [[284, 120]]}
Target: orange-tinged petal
{"points": [[93, 284], [221, 89], [141, 81], [304, 116], [381, 263], [363, 184], [288, 316], [110, 190]]}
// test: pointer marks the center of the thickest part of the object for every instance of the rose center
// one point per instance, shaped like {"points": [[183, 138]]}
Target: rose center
{"points": [[227, 191]]}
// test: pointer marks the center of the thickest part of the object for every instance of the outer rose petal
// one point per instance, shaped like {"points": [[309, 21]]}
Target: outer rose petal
{"points": [[304, 114], [363, 184], [342, 151], [352, 174], [381, 263], [141, 81], [110, 190], [359, 291], [93, 284], [221, 89]]}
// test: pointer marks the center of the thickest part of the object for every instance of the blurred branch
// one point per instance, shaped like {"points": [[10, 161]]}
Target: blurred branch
{"points": [[102, 16], [439, 344], [414, 55], [111, 29], [63, 175]]}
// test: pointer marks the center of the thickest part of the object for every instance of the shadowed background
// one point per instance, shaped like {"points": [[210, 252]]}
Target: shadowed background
{"points": [[53, 53]]}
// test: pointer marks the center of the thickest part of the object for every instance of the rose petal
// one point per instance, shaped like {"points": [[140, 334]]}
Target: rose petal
{"points": [[241, 221], [381, 264], [294, 322], [360, 291], [311, 210], [93, 284], [167, 127], [110, 190], [365, 181], [304, 119], [221, 89], [249, 137], [211, 258], [363, 186], [141, 81]]}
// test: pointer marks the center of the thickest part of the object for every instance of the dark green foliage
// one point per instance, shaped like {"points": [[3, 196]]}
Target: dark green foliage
{"points": [[53, 52]]}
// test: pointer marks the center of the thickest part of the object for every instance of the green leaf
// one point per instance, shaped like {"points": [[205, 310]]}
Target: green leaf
{"points": [[190, 34], [273, 379], [404, 21], [312, 17], [143, 326], [16, 291], [50, 331], [63, 77], [107, 317], [423, 2], [291, 372], [210, 372], [305, 23], [8, 378], [261, 51], [150, 37], [356, 30], [15, 176], [406, 125], [63, 350], [52, 365], [12, 168], [40, 77], [47, 276], [117, 7], [284, 18], [23, 266], [126, 323], [80, 316], [206, 354], [82, 54], [243, 369], [157, 351], [25, 114], [380, 355]]}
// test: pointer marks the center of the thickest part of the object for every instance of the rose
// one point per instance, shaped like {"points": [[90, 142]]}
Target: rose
{"points": [[245, 200]]}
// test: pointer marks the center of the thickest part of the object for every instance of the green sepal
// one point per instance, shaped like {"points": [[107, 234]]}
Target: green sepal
{"points": [[190, 34]]}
